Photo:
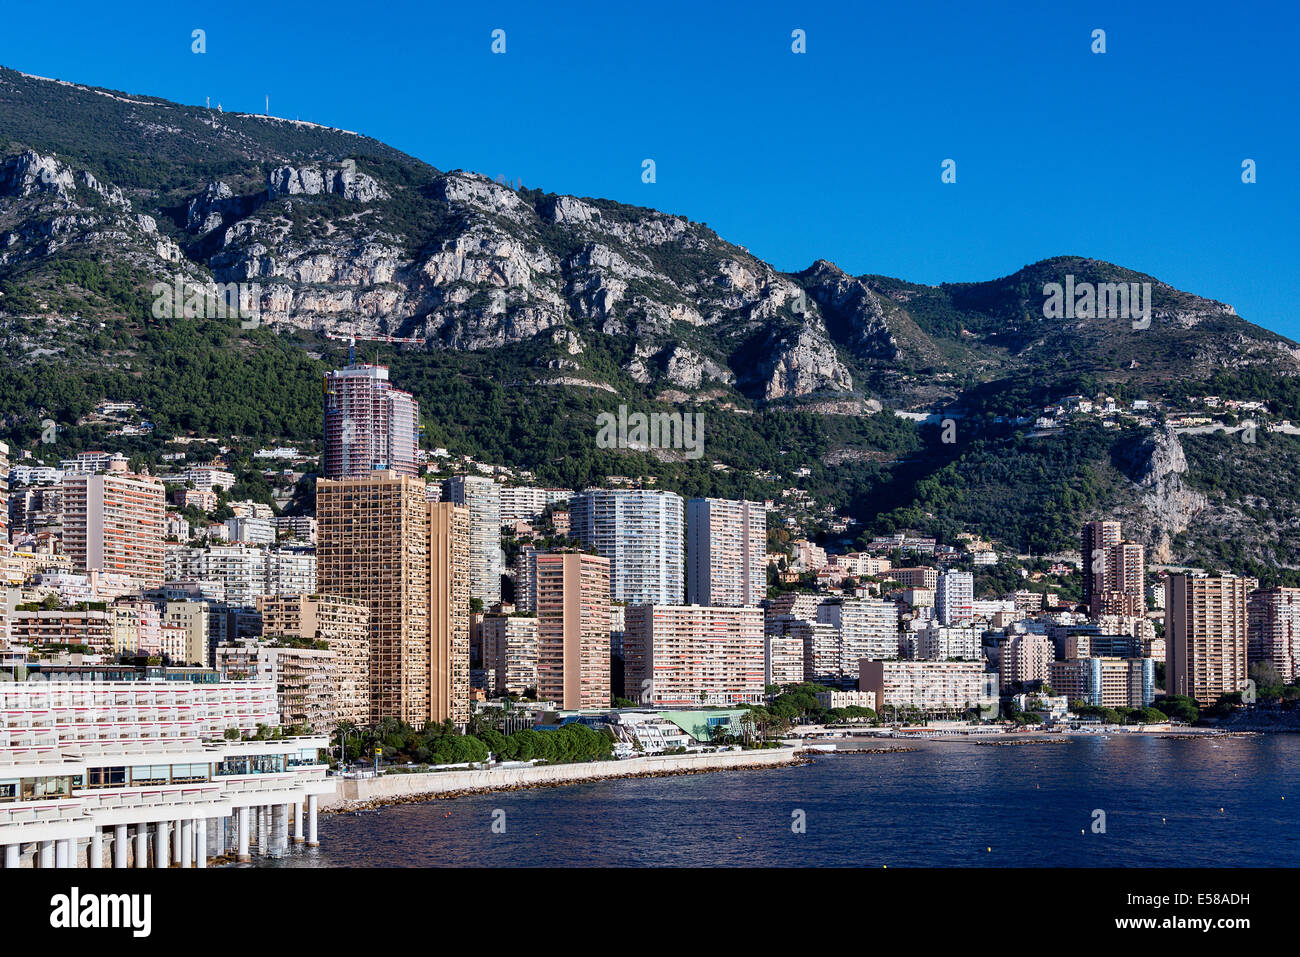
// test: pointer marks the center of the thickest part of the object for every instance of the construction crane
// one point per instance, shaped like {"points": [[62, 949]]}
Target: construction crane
{"points": [[352, 338]]}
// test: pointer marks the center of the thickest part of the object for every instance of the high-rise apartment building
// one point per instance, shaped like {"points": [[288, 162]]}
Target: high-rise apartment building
{"points": [[192, 618], [524, 571], [1095, 539], [1273, 630], [937, 642], [684, 655], [510, 653], [1205, 635], [368, 424], [482, 497], [1105, 682], [115, 522], [1025, 658], [782, 661], [928, 685], [373, 548], [642, 533], [726, 552], [344, 626], [1114, 571], [573, 594], [868, 628], [450, 545], [954, 598]]}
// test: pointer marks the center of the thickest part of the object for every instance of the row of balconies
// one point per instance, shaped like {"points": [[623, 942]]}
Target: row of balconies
{"points": [[46, 812]]}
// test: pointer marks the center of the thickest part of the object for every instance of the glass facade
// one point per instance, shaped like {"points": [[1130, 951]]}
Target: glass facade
{"points": [[36, 789], [251, 764]]}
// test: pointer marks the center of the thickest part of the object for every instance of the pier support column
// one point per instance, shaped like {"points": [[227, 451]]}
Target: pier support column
{"points": [[96, 851], [277, 823], [187, 842], [264, 830], [120, 848], [298, 837], [47, 854], [12, 853], [177, 842], [62, 853], [242, 849], [161, 844], [312, 801], [201, 842], [142, 845]]}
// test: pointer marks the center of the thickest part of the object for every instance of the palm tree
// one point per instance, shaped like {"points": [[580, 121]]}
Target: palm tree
{"points": [[747, 725]]}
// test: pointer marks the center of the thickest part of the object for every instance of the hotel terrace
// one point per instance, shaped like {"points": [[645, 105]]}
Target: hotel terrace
{"points": [[140, 773]]}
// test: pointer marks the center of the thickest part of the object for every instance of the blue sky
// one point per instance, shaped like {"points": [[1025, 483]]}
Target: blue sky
{"points": [[1132, 156]]}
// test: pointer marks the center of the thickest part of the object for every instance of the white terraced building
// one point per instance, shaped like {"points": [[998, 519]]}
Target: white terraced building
{"points": [[140, 774]]}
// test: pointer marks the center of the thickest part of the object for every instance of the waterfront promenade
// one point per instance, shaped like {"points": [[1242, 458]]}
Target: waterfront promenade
{"points": [[393, 788]]}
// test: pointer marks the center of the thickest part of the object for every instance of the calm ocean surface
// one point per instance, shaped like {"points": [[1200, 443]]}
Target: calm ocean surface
{"points": [[943, 805]]}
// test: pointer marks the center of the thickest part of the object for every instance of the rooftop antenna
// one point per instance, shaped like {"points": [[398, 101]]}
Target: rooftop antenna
{"points": [[268, 104], [352, 351]]}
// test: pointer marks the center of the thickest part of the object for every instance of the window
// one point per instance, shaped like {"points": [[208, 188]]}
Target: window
{"points": [[106, 777], [189, 773], [37, 789], [8, 790], [233, 765], [151, 774]]}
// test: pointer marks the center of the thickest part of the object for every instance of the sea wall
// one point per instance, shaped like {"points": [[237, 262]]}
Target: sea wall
{"points": [[399, 787]]}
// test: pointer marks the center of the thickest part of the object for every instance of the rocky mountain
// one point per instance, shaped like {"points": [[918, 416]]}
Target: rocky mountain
{"points": [[105, 195]]}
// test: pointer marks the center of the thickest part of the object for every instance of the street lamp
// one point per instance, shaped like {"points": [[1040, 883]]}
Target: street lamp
{"points": [[343, 740]]}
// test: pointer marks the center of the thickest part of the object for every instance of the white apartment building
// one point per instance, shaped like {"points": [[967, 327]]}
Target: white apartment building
{"points": [[954, 598], [791, 605], [937, 642], [92, 463], [139, 774], [642, 533], [861, 564], [868, 628], [177, 527], [244, 571], [831, 700], [241, 569], [929, 685], [684, 655], [822, 655], [526, 502], [205, 478], [300, 528], [782, 661], [525, 573], [290, 572], [250, 530], [483, 496], [726, 552], [510, 650]]}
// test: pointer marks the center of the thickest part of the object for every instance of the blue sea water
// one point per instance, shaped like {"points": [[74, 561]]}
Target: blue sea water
{"points": [[1167, 802]]}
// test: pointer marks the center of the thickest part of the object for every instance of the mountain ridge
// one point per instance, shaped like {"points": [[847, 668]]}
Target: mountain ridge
{"points": [[566, 298]]}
